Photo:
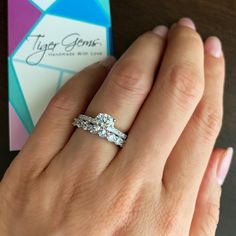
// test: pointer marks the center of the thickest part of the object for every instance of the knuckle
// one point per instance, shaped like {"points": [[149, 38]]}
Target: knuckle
{"points": [[129, 80], [206, 230], [209, 117], [171, 213], [185, 33], [208, 226], [170, 221], [213, 211], [186, 84]]}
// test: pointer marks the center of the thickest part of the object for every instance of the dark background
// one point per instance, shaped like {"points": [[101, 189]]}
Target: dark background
{"points": [[133, 17]]}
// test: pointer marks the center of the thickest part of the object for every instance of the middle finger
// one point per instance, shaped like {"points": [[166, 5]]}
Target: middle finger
{"points": [[171, 103]]}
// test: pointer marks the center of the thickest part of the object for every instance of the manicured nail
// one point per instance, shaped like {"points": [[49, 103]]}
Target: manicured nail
{"points": [[108, 62], [213, 47], [224, 165], [187, 22], [161, 30]]}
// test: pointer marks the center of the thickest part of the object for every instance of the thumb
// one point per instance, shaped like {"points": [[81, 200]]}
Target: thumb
{"points": [[206, 215]]}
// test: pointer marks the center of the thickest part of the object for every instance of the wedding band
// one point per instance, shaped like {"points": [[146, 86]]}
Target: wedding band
{"points": [[102, 125]]}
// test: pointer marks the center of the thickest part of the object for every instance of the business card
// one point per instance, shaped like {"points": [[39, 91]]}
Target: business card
{"points": [[50, 41]]}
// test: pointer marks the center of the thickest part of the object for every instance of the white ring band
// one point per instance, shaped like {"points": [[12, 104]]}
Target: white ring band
{"points": [[102, 125]]}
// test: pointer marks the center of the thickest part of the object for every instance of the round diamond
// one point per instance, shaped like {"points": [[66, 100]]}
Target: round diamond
{"points": [[105, 120]]}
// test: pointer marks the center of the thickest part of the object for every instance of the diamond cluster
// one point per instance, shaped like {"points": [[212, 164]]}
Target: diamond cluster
{"points": [[102, 125]]}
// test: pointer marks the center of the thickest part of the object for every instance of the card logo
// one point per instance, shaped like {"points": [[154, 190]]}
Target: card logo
{"points": [[70, 45]]}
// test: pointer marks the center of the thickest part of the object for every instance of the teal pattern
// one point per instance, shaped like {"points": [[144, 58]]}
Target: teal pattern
{"points": [[17, 99], [90, 11]]}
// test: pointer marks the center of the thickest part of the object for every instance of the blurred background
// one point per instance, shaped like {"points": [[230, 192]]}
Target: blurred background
{"points": [[133, 17]]}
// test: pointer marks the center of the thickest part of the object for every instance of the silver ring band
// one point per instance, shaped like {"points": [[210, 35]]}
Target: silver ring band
{"points": [[103, 125]]}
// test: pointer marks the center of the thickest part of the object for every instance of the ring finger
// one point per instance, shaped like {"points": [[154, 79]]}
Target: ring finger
{"points": [[121, 96]]}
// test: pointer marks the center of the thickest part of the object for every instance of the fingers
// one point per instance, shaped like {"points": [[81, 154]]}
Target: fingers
{"points": [[206, 215], [121, 95], [55, 126], [172, 101], [188, 161]]}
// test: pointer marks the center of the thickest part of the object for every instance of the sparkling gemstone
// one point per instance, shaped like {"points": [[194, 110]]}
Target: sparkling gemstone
{"points": [[111, 138], [79, 124], [119, 141], [102, 133], [94, 129], [89, 127], [85, 125], [105, 120]]}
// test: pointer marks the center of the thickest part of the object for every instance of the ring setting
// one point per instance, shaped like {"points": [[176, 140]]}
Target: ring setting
{"points": [[102, 125]]}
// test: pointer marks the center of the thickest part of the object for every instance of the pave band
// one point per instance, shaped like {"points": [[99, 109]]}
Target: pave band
{"points": [[103, 125]]}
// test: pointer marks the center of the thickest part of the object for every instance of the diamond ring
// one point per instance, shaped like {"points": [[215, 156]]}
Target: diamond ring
{"points": [[103, 125]]}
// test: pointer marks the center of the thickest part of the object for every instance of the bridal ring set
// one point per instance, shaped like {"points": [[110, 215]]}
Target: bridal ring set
{"points": [[102, 125]]}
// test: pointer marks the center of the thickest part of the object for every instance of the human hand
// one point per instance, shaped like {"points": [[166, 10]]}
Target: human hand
{"points": [[167, 93]]}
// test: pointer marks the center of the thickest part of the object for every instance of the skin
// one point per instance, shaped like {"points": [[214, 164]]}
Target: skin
{"points": [[167, 93]]}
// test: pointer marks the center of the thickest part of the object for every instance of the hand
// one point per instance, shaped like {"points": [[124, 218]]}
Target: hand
{"points": [[167, 93]]}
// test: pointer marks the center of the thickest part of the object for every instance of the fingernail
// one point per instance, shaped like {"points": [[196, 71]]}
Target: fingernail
{"points": [[108, 62], [224, 165], [213, 47], [187, 22], [161, 30]]}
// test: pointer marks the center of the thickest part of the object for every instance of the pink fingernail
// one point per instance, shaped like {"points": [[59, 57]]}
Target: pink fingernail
{"points": [[213, 47], [108, 62], [187, 22], [161, 30], [224, 165]]}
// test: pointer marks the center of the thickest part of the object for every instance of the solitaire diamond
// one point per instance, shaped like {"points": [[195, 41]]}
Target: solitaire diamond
{"points": [[105, 120]]}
